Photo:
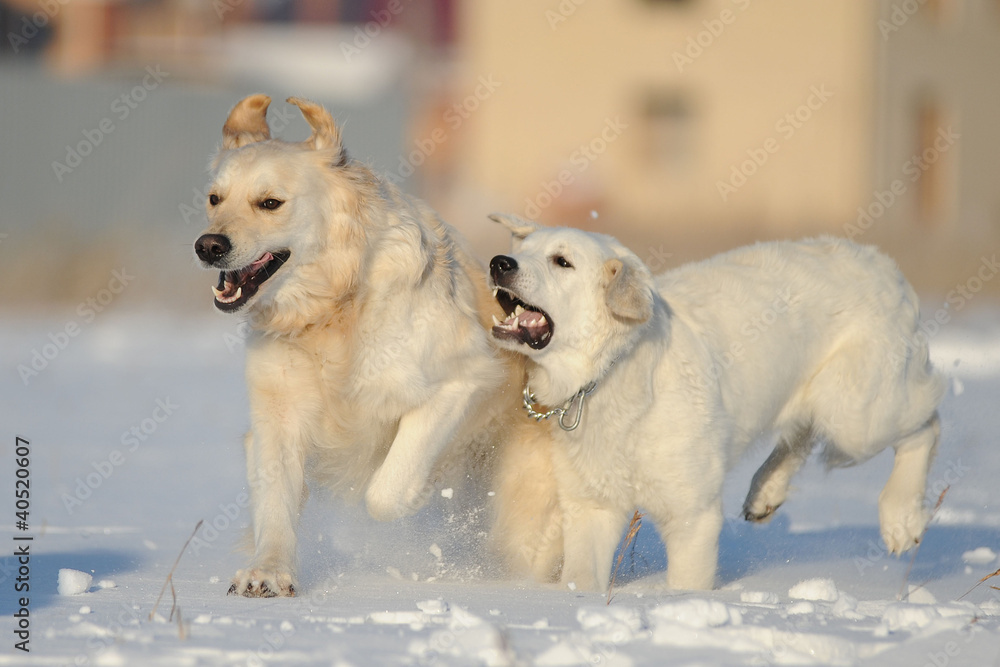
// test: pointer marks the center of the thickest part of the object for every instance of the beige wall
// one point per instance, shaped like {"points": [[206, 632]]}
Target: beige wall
{"points": [[562, 80], [947, 60]]}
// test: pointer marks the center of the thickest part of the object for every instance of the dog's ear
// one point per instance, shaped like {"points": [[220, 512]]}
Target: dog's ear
{"points": [[519, 227], [627, 295], [247, 122], [325, 134]]}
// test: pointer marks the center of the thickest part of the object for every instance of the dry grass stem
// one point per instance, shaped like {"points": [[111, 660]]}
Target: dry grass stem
{"points": [[173, 592], [980, 582], [633, 529]]}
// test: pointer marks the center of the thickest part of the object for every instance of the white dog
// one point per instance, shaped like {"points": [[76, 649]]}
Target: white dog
{"points": [[659, 384], [369, 363]]}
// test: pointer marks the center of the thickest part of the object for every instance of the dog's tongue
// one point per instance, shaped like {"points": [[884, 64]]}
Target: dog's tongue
{"points": [[528, 326], [242, 275], [531, 319], [524, 318]]}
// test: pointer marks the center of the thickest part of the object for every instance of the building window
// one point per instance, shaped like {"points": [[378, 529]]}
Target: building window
{"points": [[669, 127]]}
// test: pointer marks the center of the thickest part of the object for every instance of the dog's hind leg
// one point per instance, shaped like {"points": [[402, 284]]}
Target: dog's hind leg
{"points": [[769, 487], [902, 516]]}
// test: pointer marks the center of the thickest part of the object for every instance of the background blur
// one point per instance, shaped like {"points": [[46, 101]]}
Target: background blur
{"points": [[684, 127]]}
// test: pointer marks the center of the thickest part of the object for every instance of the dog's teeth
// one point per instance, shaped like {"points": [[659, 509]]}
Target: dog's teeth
{"points": [[518, 310], [545, 335], [217, 292], [221, 299], [541, 321], [496, 290], [496, 322]]}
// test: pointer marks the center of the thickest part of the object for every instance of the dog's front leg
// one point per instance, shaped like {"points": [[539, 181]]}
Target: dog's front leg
{"points": [[277, 491], [691, 533], [400, 486], [590, 535], [275, 451]]}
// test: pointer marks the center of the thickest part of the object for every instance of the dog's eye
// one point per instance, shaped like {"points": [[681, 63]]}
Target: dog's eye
{"points": [[213, 199], [559, 260], [271, 204]]}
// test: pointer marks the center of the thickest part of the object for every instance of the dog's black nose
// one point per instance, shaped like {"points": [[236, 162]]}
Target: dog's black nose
{"points": [[211, 247], [501, 265]]}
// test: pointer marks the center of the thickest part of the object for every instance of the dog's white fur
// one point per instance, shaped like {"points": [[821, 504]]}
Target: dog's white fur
{"points": [[811, 341], [369, 363]]}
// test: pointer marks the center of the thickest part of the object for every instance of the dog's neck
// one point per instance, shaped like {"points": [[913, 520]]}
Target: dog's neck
{"points": [[554, 387], [556, 380]]}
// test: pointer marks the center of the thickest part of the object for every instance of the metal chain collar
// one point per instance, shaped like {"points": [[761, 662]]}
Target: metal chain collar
{"points": [[529, 401]]}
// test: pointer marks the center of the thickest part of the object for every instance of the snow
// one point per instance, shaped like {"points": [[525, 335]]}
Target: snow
{"points": [[815, 586], [73, 582], [980, 556], [814, 589]]}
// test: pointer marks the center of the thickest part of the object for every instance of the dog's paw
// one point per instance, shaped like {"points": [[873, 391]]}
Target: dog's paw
{"points": [[765, 497], [902, 523], [257, 583], [759, 512], [388, 502]]}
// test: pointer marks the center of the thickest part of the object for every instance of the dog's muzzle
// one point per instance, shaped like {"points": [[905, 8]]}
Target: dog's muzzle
{"points": [[524, 323], [236, 286]]}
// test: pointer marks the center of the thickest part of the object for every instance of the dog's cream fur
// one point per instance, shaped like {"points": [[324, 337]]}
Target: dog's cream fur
{"points": [[369, 363], [810, 341]]}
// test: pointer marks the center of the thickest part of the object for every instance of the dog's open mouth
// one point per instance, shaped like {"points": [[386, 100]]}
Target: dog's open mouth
{"points": [[525, 323], [237, 287]]}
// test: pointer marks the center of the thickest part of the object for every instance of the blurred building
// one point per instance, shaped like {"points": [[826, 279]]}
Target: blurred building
{"points": [[739, 119], [683, 126]]}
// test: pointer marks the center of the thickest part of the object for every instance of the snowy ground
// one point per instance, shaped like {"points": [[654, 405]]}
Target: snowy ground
{"points": [[414, 592]]}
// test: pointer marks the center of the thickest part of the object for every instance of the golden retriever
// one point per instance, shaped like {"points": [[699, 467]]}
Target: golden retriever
{"points": [[369, 364]]}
